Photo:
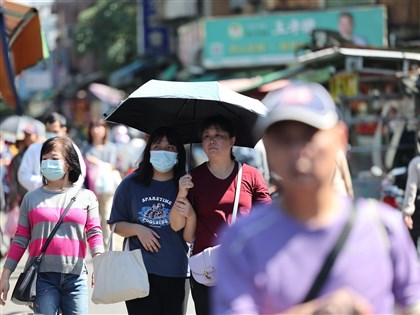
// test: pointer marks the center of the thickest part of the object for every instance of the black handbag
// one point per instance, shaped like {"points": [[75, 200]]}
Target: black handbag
{"points": [[25, 288]]}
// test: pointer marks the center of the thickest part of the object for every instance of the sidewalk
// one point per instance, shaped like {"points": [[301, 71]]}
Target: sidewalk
{"points": [[118, 308]]}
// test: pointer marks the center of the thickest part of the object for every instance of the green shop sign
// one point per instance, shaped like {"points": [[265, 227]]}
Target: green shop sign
{"points": [[273, 38]]}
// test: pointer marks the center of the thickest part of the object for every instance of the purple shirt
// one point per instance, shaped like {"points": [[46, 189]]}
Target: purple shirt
{"points": [[269, 261]]}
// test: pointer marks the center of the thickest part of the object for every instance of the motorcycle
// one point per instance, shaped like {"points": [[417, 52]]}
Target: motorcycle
{"points": [[390, 191]]}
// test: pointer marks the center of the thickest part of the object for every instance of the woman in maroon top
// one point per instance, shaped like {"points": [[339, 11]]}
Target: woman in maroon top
{"points": [[205, 199]]}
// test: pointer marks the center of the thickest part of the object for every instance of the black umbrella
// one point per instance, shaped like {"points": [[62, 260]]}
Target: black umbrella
{"points": [[184, 106]]}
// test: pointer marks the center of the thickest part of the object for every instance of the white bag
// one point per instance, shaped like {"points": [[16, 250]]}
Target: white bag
{"points": [[202, 265], [119, 275], [106, 179]]}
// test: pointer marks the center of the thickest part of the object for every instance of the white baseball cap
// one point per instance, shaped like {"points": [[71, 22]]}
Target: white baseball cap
{"points": [[306, 102]]}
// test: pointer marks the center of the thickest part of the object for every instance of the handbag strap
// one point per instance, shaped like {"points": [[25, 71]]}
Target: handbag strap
{"points": [[110, 247], [111, 238], [329, 261], [237, 192], [57, 225]]}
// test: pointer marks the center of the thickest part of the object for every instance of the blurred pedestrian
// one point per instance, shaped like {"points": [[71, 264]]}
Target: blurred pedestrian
{"points": [[2, 198], [141, 209], [255, 157], [411, 205], [130, 144], [211, 192], [341, 176], [29, 173], [2, 208], [6, 156], [62, 278], [16, 190], [103, 178], [269, 261]]}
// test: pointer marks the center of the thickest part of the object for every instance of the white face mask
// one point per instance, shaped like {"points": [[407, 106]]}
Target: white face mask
{"points": [[163, 161], [52, 169], [49, 135]]}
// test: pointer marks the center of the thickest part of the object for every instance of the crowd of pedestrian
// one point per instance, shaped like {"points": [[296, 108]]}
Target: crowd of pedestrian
{"points": [[303, 243]]}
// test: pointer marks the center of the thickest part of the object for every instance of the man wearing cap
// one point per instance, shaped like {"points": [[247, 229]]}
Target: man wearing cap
{"points": [[269, 261]]}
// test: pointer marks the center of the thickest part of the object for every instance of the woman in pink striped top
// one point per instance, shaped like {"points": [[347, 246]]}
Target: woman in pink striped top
{"points": [[62, 278]]}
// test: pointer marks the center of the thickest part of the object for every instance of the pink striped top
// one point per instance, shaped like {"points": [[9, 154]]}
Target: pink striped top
{"points": [[40, 211]]}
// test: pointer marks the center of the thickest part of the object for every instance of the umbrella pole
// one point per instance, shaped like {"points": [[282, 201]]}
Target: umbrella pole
{"points": [[191, 145], [190, 159]]}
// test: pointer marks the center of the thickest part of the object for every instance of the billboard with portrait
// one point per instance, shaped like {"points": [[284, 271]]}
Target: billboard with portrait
{"points": [[273, 38]]}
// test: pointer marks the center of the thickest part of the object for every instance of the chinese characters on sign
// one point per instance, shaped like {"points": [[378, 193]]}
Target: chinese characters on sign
{"points": [[273, 39]]}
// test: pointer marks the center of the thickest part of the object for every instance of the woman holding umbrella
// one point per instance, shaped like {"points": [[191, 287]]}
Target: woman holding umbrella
{"points": [[210, 189], [141, 207]]}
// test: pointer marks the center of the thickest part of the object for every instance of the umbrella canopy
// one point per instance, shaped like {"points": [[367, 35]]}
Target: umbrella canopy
{"points": [[12, 127], [184, 106]]}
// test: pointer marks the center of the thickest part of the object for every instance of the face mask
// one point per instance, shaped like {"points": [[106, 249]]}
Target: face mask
{"points": [[52, 169], [49, 135], [163, 161]]}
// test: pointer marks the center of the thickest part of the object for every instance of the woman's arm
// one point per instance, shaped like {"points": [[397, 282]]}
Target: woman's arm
{"points": [[4, 285], [260, 193], [148, 237], [93, 229], [177, 217], [182, 216], [191, 223]]}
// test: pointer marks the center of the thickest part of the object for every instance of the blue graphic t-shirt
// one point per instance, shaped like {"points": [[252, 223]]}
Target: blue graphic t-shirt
{"points": [[150, 206]]}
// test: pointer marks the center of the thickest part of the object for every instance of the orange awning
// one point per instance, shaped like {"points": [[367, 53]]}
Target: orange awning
{"points": [[21, 48], [23, 29]]}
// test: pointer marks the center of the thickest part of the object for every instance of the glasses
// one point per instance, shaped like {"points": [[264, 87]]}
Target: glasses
{"points": [[216, 137]]}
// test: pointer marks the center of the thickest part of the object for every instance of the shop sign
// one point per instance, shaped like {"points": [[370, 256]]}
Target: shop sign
{"points": [[343, 84], [272, 39]]}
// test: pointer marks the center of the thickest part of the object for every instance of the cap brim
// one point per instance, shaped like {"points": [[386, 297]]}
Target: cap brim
{"points": [[323, 122]]}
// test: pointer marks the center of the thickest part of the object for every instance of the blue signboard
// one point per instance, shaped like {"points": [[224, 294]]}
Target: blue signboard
{"points": [[156, 37]]}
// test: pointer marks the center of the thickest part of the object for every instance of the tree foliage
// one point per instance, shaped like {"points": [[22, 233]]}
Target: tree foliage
{"points": [[108, 29]]}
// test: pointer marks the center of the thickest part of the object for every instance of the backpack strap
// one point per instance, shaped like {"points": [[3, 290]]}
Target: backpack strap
{"points": [[329, 261]]}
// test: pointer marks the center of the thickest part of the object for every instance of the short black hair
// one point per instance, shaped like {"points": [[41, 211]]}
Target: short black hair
{"points": [[53, 117], [65, 144], [220, 122]]}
